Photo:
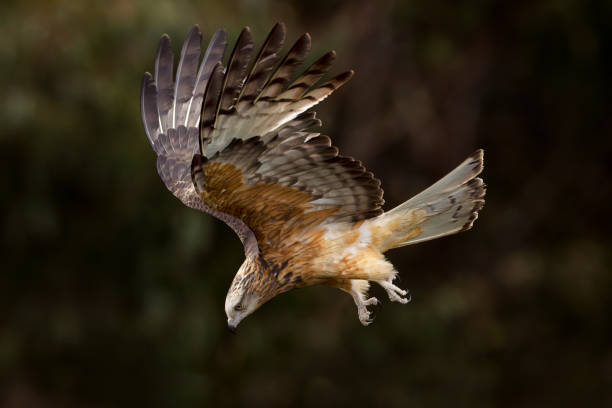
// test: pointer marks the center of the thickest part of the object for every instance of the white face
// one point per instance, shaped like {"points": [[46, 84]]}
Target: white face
{"points": [[238, 303]]}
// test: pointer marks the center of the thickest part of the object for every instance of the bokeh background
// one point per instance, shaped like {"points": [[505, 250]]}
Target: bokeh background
{"points": [[112, 292]]}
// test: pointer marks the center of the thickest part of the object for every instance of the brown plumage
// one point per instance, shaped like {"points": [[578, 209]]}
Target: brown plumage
{"points": [[306, 215]]}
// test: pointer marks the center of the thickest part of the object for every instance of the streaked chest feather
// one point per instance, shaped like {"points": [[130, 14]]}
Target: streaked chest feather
{"points": [[336, 249]]}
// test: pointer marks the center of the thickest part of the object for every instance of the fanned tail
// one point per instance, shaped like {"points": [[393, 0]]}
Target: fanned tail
{"points": [[449, 206]]}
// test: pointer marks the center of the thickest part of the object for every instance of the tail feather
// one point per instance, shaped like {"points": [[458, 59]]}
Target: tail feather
{"points": [[449, 206]]}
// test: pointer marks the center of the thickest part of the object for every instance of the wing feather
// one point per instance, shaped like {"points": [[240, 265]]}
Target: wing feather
{"points": [[282, 74], [236, 72], [264, 62], [267, 108], [148, 107], [164, 63], [212, 56], [309, 78], [212, 97], [296, 178], [186, 75], [167, 108]]}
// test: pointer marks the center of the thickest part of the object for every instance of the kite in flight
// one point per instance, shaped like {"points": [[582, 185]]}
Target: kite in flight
{"points": [[237, 142]]}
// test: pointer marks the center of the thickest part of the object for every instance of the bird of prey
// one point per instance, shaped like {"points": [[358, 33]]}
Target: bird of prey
{"points": [[237, 142]]}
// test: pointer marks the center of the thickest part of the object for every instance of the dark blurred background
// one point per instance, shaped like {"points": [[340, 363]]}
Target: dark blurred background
{"points": [[112, 291]]}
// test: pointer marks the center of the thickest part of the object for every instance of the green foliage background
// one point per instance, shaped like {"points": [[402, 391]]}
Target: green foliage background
{"points": [[111, 291]]}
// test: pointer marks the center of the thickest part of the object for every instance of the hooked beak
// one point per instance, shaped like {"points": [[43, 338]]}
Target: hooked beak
{"points": [[231, 327]]}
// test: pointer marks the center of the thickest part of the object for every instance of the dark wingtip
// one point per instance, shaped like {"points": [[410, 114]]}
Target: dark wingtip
{"points": [[163, 47], [279, 26], [477, 160], [478, 205], [325, 61], [245, 35], [194, 29], [345, 76], [304, 41], [147, 79]]}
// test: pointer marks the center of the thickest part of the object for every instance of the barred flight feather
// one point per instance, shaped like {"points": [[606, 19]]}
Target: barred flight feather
{"points": [[263, 64], [164, 63], [236, 72], [186, 75], [212, 56]]}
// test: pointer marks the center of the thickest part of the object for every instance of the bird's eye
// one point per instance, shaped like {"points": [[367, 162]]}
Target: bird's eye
{"points": [[238, 307]]}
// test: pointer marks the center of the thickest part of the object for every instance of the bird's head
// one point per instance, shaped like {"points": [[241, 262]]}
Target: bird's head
{"points": [[245, 294]]}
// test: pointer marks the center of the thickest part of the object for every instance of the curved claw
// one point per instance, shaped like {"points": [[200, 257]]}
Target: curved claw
{"points": [[395, 293], [362, 310], [371, 301]]}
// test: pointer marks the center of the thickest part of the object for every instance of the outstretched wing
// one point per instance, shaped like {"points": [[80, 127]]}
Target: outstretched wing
{"points": [[241, 103], [205, 108], [171, 109], [283, 187]]}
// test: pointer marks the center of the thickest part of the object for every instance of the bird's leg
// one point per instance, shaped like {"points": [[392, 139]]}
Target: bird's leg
{"points": [[396, 294], [358, 289], [362, 306]]}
